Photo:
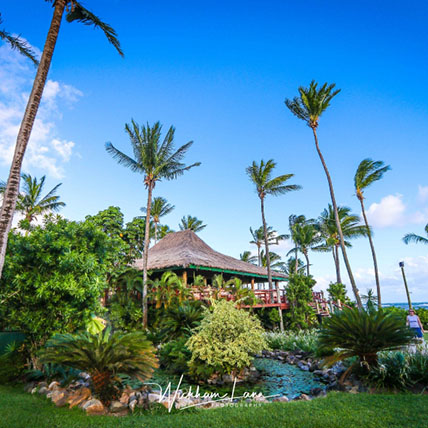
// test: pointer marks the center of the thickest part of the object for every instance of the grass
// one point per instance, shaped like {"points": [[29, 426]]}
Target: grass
{"points": [[338, 410]]}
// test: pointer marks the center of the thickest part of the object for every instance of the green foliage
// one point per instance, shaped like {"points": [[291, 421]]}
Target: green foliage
{"points": [[12, 363], [53, 278], [191, 223], [299, 294], [49, 372], [422, 313], [303, 340], [337, 291], [168, 290], [226, 340], [363, 333], [174, 356], [269, 317]]}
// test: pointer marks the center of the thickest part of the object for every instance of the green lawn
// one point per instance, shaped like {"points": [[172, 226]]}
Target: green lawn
{"points": [[338, 410]]}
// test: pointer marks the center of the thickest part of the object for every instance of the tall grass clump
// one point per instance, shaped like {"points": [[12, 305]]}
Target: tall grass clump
{"points": [[303, 340]]}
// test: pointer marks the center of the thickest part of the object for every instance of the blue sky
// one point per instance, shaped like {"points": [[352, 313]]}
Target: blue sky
{"points": [[219, 72]]}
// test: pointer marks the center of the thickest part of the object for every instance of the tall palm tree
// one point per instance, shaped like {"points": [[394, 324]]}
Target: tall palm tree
{"points": [[305, 237], [19, 44], [290, 266], [261, 176], [368, 172], [292, 221], [160, 208], [309, 106], [258, 236], [350, 226], [74, 12], [417, 239], [275, 261], [31, 203], [192, 223], [247, 257], [157, 160]]}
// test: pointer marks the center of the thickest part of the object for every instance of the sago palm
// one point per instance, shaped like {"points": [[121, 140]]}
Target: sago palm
{"points": [[156, 159], [258, 240], [417, 239], [191, 223], [104, 356], [308, 106], [368, 172], [74, 12], [160, 208], [261, 176]]}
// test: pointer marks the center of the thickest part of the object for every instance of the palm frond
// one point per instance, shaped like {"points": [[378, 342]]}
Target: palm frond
{"points": [[123, 159]]}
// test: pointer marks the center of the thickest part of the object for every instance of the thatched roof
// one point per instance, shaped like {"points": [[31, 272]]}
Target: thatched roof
{"points": [[185, 249]]}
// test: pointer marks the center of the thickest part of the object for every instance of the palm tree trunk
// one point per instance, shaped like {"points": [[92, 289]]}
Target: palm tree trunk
{"points": [[259, 257], [156, 232], [12, 188], [335, 252], [307, 262], [281, 324], [379, 299], [339, 228], [146, 253]]}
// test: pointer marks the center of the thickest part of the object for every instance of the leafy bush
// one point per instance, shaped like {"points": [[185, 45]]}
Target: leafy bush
{"points": [[225, 340], [174, 356], [337, 291], [64, 375], [103, 356], [269, 317], [418, 367], [303, 340], [12, 363], [363, 333]]}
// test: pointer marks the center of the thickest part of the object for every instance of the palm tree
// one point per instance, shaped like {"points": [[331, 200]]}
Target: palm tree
{"points": [[292, 221], [368, 172], [247, 257], [350, 226], [75, 12], [31, 203], [261, 176], [275, 260], [309, 106], [417, 239], [156, 160], [305, 237], [290, 266], [192, 223], [160, 208], [258, 236], [18, 44]]}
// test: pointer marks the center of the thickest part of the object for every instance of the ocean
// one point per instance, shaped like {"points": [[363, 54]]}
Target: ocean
{"points": [[415, 305]]}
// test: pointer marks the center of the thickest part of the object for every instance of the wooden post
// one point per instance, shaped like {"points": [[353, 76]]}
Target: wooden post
{"points": [[252, 284], [185, 277]]}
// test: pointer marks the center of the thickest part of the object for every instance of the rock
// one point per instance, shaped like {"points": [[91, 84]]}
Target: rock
{"points": [[29, 386], [133, 404], [43, 390], [78, 396], [53, 385], [95, 407], [34, 390], [354, 390], [154, 398], [117, 406], [183, 402], [260, 399], [282, 399], [316, 392], [59, 397], [304, 397], [280, 358], [42, 384]]}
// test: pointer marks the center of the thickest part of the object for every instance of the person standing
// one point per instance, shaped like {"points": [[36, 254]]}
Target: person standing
{"points": [[415, 324]]}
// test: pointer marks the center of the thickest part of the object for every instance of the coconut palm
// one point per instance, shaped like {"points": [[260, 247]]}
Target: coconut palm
{"points": [[351, 229], [160, 208], [19, 44], [192, 223], [309, 106], [292, 221], [290, 266], [275, 260], [258, 240], [157, 160], [75, 12], [261, 176], [31, 203], [417, 239], [247, 257], [367, 173]]}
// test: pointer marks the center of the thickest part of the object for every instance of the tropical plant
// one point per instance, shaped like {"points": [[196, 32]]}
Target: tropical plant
{"points": [[275, 260], [292, 221], [290, 266], [363, 334], [242, 295], [337, 291], [30, 201], [300, 340], [226, 340], [248, 258], [160, 208], [417, 239], [367, 173], [191, 223], [370, 300], [103, 356], [351, 229], [174, 356], [259, 238], [74, 11], [19, 44], [261, 176], [168, 290], [157, 160], [12, 363], [309, 106]]}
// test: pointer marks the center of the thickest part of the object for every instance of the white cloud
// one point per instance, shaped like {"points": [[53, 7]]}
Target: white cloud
{"points": [[423, 193], [46, 151]]}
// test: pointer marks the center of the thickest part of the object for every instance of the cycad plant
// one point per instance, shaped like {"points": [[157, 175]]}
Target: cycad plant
{"points": [[363, 334], [191, 223], [368, 172], [156, 159], [160, 208], [308, 106], [104, 356], [417, 239]]}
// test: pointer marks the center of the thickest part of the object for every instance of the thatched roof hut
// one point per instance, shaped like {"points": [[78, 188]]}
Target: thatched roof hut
{"points": [[184, 251]]}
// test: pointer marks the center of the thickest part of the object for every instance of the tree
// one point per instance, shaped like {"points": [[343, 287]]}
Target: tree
{"points": [[292, 221], [351, 228], [261, 176], [258, 236], [290, 266], [19, 44], [157, 160], [160, 208], [417, 239], [75, 12], [367, 173], [274, 259], [337, 291], [247, 257], [309, 106], [31, 203], [192, 223]]}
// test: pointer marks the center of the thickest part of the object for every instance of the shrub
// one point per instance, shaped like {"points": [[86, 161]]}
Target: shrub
{"points": [[12, 363], [306, 341], [225, 340], [104, 356], [174, 356], [337, 291], [418, 368]]}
